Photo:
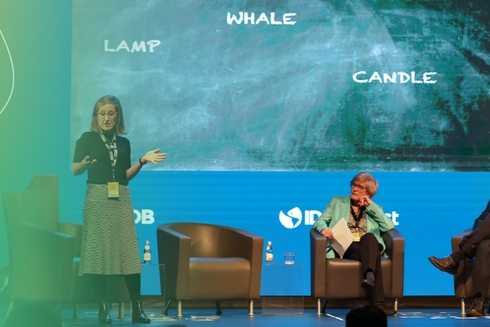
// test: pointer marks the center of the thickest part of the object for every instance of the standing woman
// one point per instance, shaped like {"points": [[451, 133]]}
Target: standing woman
{"points": [[109, 241]]}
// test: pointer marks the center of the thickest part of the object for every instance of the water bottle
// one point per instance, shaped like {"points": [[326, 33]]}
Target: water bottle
{"points": [[269, 255], [147, 253]]}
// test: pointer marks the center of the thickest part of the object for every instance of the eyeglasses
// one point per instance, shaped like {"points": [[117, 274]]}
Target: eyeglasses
{"points": [[358, 186], [110, 114]]}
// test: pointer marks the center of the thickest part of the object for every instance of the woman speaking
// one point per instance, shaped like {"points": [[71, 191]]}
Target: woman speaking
{"points": [[109, 241]]}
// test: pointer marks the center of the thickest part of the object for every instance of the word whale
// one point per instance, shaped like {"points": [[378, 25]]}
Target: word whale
{"points": [[395, 77], [136, 46], [263, 18]]}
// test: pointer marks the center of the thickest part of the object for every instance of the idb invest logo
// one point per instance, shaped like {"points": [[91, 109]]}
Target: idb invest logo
{"points": [[294, 217]]}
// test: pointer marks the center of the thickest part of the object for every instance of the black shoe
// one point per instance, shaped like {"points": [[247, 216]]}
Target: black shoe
{"points": [[368, 285], [476, 309], [138, 315], [384, 308], [104, 316], [446, 264]]}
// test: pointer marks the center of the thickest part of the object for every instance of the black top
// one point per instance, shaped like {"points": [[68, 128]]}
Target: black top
{"points": [[91, 144]]}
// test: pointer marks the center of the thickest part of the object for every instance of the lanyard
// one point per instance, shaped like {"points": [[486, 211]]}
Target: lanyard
{"points": [[112, 148], [357, 217]]}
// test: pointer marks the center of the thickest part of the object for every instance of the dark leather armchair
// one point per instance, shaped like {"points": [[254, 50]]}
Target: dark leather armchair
{"points": [[45, 252], [209, 262], [341, 278], [40, 255]]}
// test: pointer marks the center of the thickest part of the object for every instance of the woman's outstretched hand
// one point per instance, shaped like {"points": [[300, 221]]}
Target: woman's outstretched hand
{"points": [[153, 156]]}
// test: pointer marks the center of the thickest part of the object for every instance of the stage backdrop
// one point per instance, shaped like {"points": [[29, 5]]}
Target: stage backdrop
{"points": [[267, 109]]}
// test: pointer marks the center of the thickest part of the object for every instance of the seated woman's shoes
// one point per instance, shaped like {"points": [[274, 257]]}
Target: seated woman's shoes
{"points": [[368, 285], [476, 309], [138, 315], [445, 264]]}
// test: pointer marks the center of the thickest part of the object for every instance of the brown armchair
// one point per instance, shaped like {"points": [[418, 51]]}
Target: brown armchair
{"points": [[341, 278], [209, 262], [45, 252], [463, 280], [40, 256]]}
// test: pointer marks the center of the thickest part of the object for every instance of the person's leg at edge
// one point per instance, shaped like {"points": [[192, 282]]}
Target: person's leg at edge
{"points": [[481, 279], [468, 247]]}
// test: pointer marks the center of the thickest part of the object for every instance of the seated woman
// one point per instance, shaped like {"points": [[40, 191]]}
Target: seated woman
{"points": [[366, 221]]}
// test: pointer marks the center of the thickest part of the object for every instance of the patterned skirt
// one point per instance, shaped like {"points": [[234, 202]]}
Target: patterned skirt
{"points": [[109, 241]]}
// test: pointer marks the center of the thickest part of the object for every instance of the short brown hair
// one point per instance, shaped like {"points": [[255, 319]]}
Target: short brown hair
{"points": [[119, 125], [370, 182]]}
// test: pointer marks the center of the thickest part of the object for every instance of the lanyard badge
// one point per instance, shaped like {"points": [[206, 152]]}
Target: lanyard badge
{"points": [[112, 187]]}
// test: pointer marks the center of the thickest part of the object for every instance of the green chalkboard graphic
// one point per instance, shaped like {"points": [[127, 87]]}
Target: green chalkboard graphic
{"points": [[290, 85]]}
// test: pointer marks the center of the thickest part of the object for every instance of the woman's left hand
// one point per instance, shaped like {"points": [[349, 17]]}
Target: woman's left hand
{"points": [[153, 156], [364, 201]]}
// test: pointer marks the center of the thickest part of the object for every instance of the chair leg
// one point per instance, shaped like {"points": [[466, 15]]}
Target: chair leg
{"points": [[250, 308], [121, 310], [324, 306], [10, 308], [463, 309], [218, 308], [75, 311], [179, 309], [166, 307], [395, 305], [318, 307]]}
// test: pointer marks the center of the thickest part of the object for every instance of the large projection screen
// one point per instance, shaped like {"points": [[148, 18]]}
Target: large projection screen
{"points": [[298, 91]]}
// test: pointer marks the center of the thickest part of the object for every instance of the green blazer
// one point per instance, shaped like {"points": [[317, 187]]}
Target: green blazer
{"points": [[339, 208]]}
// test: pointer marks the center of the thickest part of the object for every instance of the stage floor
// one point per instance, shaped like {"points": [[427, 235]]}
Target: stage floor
{"points": [[238, 317]]}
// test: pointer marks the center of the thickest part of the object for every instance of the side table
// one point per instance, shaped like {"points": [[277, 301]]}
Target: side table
{"points": [[282, 289]]}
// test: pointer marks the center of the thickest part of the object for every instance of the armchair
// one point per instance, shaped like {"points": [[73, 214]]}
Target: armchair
{"points": [[44, 252], [209, 262], [341, 278], [41, 257]]}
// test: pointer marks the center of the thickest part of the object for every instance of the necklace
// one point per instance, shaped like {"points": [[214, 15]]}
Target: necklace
{"points": [[357, 216]]}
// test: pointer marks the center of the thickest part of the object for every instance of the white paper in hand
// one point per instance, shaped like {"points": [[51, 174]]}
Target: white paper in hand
{"points": [[342, 237]]}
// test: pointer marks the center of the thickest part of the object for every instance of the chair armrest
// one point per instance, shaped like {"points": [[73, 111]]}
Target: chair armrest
{"points": [[395, 250], [318, 246], [240, 243], [74, 230], [236, 242], [395, 243], [456, 239], [174, 252]]}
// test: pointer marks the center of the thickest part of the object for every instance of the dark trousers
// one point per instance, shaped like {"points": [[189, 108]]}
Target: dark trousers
{"points": [[477, 245], [133, 283], [471, 241], [367, 251]]}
